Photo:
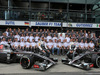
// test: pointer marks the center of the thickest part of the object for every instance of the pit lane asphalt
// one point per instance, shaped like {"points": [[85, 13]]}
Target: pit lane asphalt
{"points": [[58, 69]]}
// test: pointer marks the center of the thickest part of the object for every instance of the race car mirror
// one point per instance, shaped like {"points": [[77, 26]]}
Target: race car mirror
{"points": [[1, 46]]}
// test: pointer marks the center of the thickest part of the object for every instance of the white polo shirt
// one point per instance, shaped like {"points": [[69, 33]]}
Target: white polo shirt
{"points": [[48, 38], [16, 44], [27, 37], [36, 38], [33, 44], [82, 45], [54, 39], [59, 44], [91, 45], [4, 42], [31, 38], [86, 45], [65, 44], [17, 36], [50, 44], [22, 44], [62, 38], [27, 44], [68, 39], [54, 44]]}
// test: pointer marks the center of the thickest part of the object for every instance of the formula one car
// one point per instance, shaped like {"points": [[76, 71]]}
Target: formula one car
{"points": [[26, 59], [85, 60]]}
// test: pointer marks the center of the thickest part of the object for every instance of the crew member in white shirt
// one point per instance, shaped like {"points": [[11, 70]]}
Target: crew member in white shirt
{"points": [[17, 36], [34, 46], [26, 37], [91, 45], [86, 45], [61, 37], [54, 38], [36, 38], [22, 37], [16, 44], [50, 45], [31, 37], [27, 45], [65, 47], [81, 45], [48, 37], [22, 44], [55, 47], [59, 45], [68, 39], [3, 41]]}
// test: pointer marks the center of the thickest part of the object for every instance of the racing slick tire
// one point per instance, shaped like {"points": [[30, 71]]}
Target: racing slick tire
{"points": [[96, 60], [27, 61]]}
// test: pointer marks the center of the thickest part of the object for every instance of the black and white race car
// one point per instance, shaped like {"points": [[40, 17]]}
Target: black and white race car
{"points": [[85, 60], [26, 59]]}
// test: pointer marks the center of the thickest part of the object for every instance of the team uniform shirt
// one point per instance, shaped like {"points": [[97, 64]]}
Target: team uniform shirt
{"points": [[22, 44], [91, 45], [82, 45], [59, 44], [27, 37], [7, 33], [33, 44], [54, 39], [27, 44], [36, 38], [86, 45], [54, 44], [17, 36], [68, 39], [62, 38], [22, 38], [4, 42], [16, 44], [65, 44], [31, 38], [50, 44], [48, 38]]}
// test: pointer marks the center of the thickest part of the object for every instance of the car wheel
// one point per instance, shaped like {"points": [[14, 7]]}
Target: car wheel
{"points": [[27, 61], [96, 60]]}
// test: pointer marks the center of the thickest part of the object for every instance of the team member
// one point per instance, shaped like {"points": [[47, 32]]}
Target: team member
{"points": [[26, 37], [67, 38], [3, 41], [31, 37], [27, 45], [17, 36], [22, 44], [54, 38], [50, 45], [65, 47], [42, 47], [61, 37], [36, 38], [16, 44], [55, 47], [59, 45], [49, 37], [86, 45], [91, 45], [22, 37], [81, 46], [34, 46]]}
